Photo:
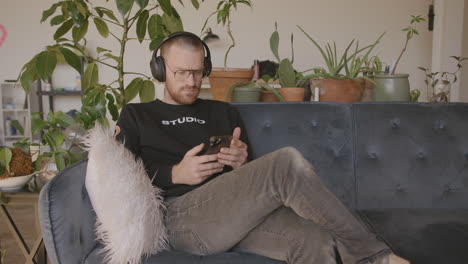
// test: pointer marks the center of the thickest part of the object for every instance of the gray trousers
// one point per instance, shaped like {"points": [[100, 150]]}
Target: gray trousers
{"points": [[275, 206]]}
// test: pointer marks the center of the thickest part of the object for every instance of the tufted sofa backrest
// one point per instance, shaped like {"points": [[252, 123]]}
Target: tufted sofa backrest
{"points": [[321, 132], [411, 155], [373, 155]]}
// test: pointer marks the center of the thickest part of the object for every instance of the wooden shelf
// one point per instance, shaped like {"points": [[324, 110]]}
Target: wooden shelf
{"points": [[15, 110], [59, 93]]}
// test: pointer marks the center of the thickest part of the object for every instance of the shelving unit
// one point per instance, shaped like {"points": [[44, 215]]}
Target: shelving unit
{"points": [[51, 94], [14, 104]]}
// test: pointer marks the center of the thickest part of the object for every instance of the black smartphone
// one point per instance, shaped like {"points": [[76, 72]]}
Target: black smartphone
{"points": [[216, 143]]}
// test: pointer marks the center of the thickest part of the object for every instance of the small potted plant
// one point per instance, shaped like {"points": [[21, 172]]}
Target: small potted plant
{"points": [[332, 83], [438, 84], [249, 92], [223, 77], [290, 80], [393, 86]]}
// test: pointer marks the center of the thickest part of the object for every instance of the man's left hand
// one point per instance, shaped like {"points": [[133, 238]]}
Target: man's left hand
{"points": [[236, 155]]}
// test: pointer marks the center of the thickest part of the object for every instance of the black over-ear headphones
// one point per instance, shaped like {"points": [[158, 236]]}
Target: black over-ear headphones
{"points": [[158, 68]]}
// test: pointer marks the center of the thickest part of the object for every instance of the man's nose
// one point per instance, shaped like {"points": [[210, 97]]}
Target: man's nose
{"points": [[191, 79]]}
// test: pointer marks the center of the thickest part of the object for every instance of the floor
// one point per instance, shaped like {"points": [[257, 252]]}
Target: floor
{"points": [[24, 219]]}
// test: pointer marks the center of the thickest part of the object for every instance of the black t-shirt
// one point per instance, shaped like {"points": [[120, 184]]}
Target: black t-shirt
{"points": [[161, 134]]}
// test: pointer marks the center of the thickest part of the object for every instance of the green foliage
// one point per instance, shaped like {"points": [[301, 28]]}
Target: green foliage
{"points": [[410, 32], [16, 124], [286, 74], [223, 16], [5, 158], [351, 61], [73, 19], [259, 86], [446, 79], [52, 139]]}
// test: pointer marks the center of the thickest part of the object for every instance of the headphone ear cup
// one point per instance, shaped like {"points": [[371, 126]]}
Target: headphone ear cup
{"points": [[208, 66], [158, 68]]}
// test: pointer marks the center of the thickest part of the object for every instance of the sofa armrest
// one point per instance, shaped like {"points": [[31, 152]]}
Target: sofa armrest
{"points": [[66, 216]]}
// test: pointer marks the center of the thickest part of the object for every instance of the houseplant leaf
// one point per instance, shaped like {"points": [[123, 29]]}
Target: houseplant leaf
{"points": [[141, 25], [47, 13], [166, 6], [287, 76], [142, 3], [63, 29], [5, 157], [124, 6], [274, 43], [91, 76], [79, 32], [147, 91], [195, 4], [71, 58], [111, 106], [102, 27], [16, 124], [133, 88], [45, 64]]}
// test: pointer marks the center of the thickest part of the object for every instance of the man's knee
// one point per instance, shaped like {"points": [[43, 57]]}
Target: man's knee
{"points": [[293, 157]]}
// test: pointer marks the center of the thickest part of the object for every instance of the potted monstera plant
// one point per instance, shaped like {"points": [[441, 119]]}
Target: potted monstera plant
{"points": [[395, 86], [342, 79], [221, 78]]}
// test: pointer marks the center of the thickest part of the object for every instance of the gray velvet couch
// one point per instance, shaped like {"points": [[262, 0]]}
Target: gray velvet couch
{"points": [[403, 167]]}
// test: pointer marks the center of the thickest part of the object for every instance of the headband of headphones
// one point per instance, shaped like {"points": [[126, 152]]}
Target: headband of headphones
{"points": [[157, 64]]}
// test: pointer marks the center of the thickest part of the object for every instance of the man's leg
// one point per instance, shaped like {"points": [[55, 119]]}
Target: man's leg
{"points": [[284, 235], [216, 216]]}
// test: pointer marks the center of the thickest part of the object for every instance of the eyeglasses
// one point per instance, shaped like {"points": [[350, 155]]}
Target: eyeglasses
{"points": [[182, 75]]}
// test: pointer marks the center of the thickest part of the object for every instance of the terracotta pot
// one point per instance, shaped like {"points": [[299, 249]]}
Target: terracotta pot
{"points": [[338, 90], [267, 96], [368, 94], [221, 79], [292, 94]]}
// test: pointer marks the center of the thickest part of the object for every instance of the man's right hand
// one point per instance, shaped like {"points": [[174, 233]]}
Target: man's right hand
{"points": [[195, 169]]}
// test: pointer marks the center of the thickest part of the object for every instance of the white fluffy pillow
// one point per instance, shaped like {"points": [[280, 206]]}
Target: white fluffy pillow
{"points": [[129, 209]]}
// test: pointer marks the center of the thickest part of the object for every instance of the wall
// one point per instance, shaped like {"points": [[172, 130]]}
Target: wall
{"points": [[448, 38], [464, 70], [326, 20]]}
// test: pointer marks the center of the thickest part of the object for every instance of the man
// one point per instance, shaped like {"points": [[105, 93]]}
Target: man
{"points": [[274, 206]]}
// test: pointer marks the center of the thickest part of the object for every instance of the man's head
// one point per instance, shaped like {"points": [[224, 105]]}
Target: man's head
{"points": [[184, 60]]}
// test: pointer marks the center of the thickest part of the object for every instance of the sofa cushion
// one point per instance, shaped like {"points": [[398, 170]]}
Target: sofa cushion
{"points": [[172, 257], [411, 155], [322, 132], [423, 236]]}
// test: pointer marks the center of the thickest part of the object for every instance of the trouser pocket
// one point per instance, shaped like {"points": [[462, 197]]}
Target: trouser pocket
{"points": [[186, 240]]}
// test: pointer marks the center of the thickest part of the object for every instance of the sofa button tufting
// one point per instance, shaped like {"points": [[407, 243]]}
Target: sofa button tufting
{"points": [[373, 155], [421, 155], [400, 188], [396, 123], [267, 124], [440, 125], [314, 124]]}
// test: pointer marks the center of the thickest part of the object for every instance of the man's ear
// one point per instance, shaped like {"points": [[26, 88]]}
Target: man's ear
{"points": [[116, 131]]}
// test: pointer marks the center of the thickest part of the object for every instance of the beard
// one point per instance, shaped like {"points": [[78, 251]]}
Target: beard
{"points": [[185, 95]]}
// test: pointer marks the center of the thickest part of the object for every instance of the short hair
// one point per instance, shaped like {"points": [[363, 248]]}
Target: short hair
{"points": [[185, 41]]}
